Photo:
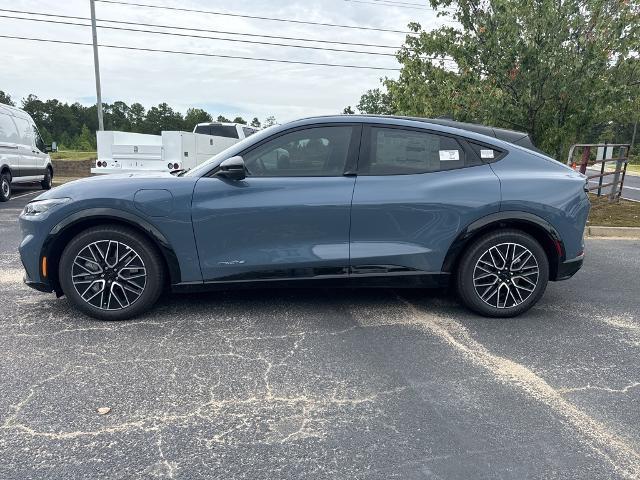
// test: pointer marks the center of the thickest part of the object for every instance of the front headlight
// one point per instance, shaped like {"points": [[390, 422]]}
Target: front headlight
{"points": [[40, 206]]}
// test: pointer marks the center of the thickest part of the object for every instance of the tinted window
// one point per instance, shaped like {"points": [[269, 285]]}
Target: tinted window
{"points": [[248, 131], [312, 152], [485, 152], [227, 131], [8, 132], [24, 131], [395, 151]]}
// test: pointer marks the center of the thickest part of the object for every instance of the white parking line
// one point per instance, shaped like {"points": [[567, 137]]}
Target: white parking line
{"points": [[24, 195]]}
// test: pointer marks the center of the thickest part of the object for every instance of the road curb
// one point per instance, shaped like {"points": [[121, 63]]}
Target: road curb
{"points": [[613, 232]]}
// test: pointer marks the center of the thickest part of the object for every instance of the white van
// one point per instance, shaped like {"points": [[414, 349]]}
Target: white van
{"points": [[24, 158]]}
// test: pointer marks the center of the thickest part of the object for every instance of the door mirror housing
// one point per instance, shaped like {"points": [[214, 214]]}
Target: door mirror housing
{"points": [[232, 168], [51, 148]]}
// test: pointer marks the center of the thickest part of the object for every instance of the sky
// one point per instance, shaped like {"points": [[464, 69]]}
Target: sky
{"points": [[220, 86]]}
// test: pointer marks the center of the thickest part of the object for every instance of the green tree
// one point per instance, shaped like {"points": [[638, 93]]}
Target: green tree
{"points": [[348, 111], [269, 121], [240, 120], [375, 102], [195, 116], [6, 99], [162, 117], [85, 141], [136, 117], [255, 122], [551, 68], [223, 119]]}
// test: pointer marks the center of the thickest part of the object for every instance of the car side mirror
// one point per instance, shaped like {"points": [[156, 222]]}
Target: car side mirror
{"points": [[232, 168], [51, 148]]}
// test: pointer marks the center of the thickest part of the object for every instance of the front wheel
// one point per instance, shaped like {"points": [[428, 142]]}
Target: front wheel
{"points": [[503, 274], [111, 272], [47, 180]]}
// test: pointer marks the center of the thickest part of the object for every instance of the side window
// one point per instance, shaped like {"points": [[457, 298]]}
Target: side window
{"points": [[39, 142], [486, 153], [25, 131], [312, 152], [8, 132], [394, 151], [248, 131]]}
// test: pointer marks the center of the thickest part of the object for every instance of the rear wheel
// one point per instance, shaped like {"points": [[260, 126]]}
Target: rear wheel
{"points": [[5, 187], [47, 180], [111, 272], [503, 274]]}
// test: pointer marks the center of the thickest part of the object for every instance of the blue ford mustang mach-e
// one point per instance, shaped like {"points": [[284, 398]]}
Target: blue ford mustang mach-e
{"points": [[366, 200]]}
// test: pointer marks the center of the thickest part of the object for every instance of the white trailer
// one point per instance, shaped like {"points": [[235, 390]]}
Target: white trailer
{"points": [[124, 152]]}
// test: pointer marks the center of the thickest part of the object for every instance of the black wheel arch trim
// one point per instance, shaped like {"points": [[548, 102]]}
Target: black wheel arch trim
{"points": [[508, 218], [106, 214]]}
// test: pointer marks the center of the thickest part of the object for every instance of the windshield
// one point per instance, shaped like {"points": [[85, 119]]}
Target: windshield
{"points": [[229, 152]]}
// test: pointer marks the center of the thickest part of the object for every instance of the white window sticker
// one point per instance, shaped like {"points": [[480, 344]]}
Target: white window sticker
{"points": [[486, 153], [446, 155]]}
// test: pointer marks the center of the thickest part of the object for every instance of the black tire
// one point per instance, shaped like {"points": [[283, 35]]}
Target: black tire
{"points": [[48, 180], [509, 281], [5, 187], [106, 274]]}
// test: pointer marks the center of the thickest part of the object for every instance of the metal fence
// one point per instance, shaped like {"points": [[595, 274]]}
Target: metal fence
{"points": [[582, 156]]}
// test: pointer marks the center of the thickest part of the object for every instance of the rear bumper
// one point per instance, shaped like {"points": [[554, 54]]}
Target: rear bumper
{"points": [[567, 269]]}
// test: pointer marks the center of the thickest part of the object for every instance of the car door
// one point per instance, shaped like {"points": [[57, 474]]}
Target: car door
{"points": [[415, 191], [9, 140], [289, 218]]}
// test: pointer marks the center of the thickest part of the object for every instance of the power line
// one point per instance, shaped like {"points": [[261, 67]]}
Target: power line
{"points": [[392, 4], [260, 59], [402, 3], [156, 25], [129, 29], [253, 17]]}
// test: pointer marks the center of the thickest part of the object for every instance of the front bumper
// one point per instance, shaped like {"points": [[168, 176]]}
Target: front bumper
{"points": [[39, 286], [568, 268]]}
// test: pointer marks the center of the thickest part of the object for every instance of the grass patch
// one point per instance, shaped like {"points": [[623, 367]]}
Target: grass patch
{"points": [[73, 155], [634, 168], [622, 214]]}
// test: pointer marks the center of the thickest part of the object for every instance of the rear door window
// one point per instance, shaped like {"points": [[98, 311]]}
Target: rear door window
{"points": [[8, 131], [396, 151]]}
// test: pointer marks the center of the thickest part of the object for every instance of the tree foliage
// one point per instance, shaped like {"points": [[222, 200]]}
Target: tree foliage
{"points": [[561, 70], [73, 126]]}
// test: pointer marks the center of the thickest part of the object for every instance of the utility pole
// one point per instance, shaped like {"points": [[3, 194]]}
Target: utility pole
{"points": [[96, 64]]}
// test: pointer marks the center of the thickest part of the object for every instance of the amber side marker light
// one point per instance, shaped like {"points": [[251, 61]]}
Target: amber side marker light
{"points": [[44, 267]]}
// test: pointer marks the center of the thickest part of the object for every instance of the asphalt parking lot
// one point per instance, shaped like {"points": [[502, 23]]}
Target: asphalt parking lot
{"points": [[270, 384]]}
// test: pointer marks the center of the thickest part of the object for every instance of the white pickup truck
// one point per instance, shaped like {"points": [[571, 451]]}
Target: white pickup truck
{"points": [[124, 152]]}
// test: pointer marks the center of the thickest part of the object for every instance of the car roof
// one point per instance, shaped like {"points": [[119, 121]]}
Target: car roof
{"points": [[471, 130], [9, 110]]}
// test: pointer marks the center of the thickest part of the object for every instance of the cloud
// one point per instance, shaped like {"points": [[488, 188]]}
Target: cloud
{"points": [[221, 86]]}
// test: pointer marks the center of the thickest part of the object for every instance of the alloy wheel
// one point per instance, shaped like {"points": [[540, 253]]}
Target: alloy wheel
{"points": [[506, 275], [6, 189], [109, 275]]}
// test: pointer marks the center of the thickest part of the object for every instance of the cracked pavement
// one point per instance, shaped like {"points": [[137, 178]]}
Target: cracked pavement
{"points": [[274, 384]]}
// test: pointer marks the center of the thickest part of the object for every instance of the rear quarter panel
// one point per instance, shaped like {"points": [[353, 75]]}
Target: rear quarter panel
{"points": [[548, 189]]}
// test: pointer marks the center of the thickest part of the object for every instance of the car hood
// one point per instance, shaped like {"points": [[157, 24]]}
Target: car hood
{"points": [[118, 185]]}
